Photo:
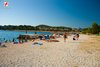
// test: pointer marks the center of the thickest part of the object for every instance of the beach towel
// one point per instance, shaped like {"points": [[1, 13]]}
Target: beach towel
{"points": [[54, 41], [37, 43], [40, 43]]}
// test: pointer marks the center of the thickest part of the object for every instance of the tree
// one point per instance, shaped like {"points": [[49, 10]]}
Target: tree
{"points": [[89, 30], [95, 28]]}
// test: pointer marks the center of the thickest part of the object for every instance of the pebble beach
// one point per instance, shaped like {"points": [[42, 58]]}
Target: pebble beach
{"points": [[84, 52]]}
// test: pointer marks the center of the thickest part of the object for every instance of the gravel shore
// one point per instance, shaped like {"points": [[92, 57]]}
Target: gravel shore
{"points": [[84, 52]]}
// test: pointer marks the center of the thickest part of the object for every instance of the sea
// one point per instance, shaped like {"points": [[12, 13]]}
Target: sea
{"points": [[8, 35]]}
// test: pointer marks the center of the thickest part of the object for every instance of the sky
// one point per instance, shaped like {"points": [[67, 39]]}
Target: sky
{"points": [[69, 13]]}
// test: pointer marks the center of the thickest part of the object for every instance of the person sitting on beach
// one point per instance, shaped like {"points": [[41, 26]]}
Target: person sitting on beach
{"points": [[58, 35], [74, 37], [40, 37], [65, 36], [54, 35], [2, 45], [47, 38]]}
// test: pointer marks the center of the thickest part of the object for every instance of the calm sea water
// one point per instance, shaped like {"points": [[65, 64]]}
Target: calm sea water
{"points": [[10, 35]]}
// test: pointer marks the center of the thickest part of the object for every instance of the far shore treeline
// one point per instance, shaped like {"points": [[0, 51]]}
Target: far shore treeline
{"points": [[93, 29], [36, 28]]}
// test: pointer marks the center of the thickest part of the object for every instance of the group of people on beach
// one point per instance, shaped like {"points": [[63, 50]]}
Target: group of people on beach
{"points": [[57, 35], [49, 38], [75, 37]]}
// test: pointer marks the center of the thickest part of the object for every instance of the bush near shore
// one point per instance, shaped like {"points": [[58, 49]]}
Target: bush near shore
{"points": [[93, 29]]}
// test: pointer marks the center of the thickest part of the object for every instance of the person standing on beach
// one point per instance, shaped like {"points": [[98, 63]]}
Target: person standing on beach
{"points": [[65, 36]]}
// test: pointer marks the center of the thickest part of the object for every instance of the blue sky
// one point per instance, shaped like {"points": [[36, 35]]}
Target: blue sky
{"points": [[70, 13]]}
